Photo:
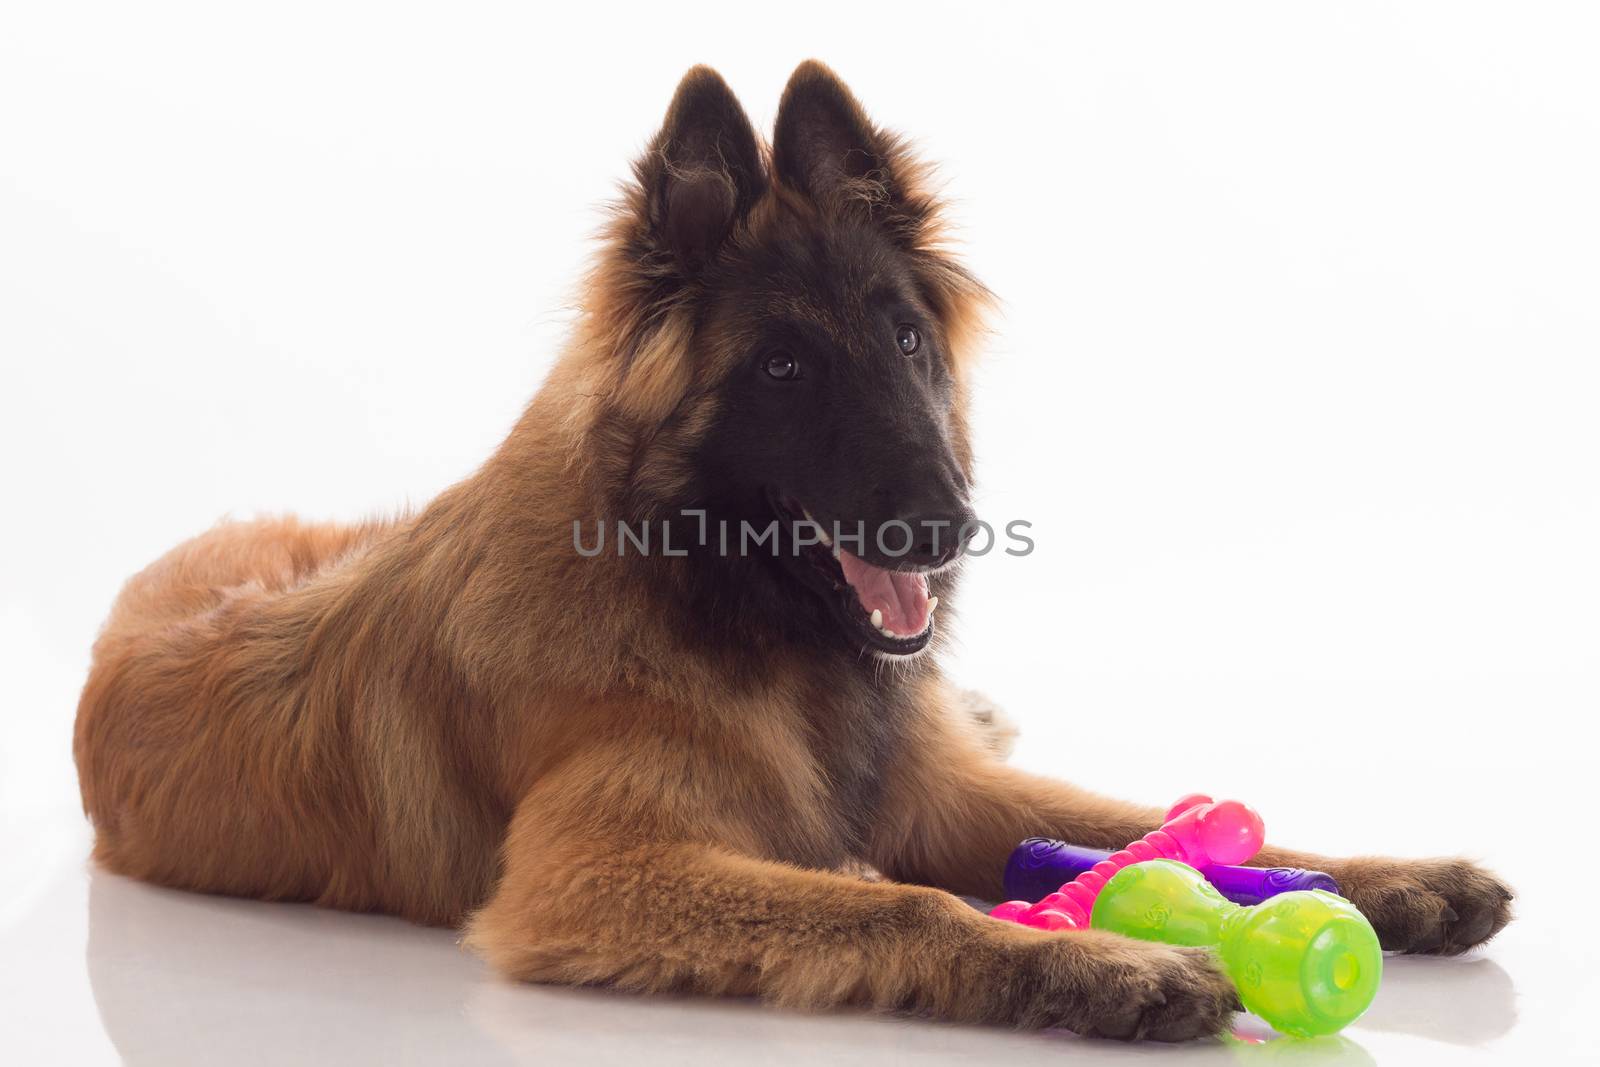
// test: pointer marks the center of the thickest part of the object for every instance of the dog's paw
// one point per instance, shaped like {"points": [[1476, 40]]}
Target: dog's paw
{"points": [[998, 732], [1438, 907], [1102, 985]]}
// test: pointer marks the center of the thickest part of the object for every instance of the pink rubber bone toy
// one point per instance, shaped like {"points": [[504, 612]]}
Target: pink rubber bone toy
{"points": [[1198, 831]]}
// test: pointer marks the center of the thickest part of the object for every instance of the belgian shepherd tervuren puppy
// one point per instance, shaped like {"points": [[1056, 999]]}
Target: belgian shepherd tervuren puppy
{"points": [[675, 768]]}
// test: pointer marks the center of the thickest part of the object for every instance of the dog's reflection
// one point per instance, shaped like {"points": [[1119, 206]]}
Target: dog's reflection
{"points": [[183, 978]]}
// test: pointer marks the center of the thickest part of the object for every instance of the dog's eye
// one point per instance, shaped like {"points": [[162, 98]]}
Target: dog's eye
{"points": [[908, 339], [783, 366]]}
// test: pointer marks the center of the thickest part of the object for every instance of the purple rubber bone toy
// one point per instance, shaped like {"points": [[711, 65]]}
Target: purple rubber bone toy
{"points": [[1197, 831], [1039, 866]]}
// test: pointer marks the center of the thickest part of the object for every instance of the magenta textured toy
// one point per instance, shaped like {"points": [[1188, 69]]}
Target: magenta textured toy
{"points": [[1198, 831]]}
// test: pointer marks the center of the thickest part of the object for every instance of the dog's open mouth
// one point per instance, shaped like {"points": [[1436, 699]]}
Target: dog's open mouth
{"points": [[888, 608]]}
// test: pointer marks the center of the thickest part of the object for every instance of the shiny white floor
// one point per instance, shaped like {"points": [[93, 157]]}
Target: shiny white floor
{"points": [[97, 968]]}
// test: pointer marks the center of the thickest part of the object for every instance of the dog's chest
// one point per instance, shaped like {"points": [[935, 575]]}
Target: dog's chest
{"points": [[856, 734]]}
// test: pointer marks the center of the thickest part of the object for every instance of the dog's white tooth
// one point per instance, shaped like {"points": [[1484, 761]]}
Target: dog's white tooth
{"points": [[877, 618], [889, 633], [933, 604]]}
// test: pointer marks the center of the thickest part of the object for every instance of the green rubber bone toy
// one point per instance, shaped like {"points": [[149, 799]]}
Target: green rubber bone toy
{"points": [[1307, 962]]}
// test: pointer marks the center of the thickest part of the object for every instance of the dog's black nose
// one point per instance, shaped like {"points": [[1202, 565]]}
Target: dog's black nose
{"points": [[937, 534]]}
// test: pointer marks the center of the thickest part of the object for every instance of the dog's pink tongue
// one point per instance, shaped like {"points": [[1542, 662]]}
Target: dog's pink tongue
{"points": [[902, 596]]}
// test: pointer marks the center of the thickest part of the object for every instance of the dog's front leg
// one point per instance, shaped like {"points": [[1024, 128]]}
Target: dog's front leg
{"points": [[1438, 907], [649, 916], [956, 813]]}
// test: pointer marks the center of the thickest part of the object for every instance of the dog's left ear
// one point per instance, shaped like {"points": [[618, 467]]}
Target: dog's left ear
{"points": [[703, 170], [825, 147]]}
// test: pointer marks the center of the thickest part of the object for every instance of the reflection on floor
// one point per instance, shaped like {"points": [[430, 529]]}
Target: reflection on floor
{"points": [[180, 978]]}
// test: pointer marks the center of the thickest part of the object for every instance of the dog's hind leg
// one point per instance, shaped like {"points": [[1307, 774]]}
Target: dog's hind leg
{"points": [[197, 759], [999, 733], [695, 918]]}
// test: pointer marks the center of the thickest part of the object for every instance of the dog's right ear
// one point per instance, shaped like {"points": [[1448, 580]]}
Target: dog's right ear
{"points": [[703, 171]]}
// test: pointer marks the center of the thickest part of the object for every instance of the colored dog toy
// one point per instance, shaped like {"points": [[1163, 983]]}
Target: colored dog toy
{"points": [[1306, 961], [1039, 866], [1198, 831]]}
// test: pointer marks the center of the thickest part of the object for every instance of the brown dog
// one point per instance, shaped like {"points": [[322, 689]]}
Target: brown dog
{"points": [[653, 768]]}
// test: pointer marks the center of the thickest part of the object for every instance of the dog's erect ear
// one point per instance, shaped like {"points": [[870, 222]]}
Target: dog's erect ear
{"points": [[825, 146], [703, 170]]}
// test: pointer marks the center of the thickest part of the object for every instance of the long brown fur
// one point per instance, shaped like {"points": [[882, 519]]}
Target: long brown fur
{"points": [[455, 718]]}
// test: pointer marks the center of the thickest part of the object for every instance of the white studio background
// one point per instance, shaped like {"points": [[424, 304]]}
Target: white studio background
{"points": [[1295, 377]]}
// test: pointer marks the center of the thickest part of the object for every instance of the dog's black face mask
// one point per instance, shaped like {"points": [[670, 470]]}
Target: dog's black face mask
{"points": [[836, 417], [835, 409]]}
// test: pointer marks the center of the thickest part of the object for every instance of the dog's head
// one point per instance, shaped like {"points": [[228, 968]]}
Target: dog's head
{"points": [[790, 341]]}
